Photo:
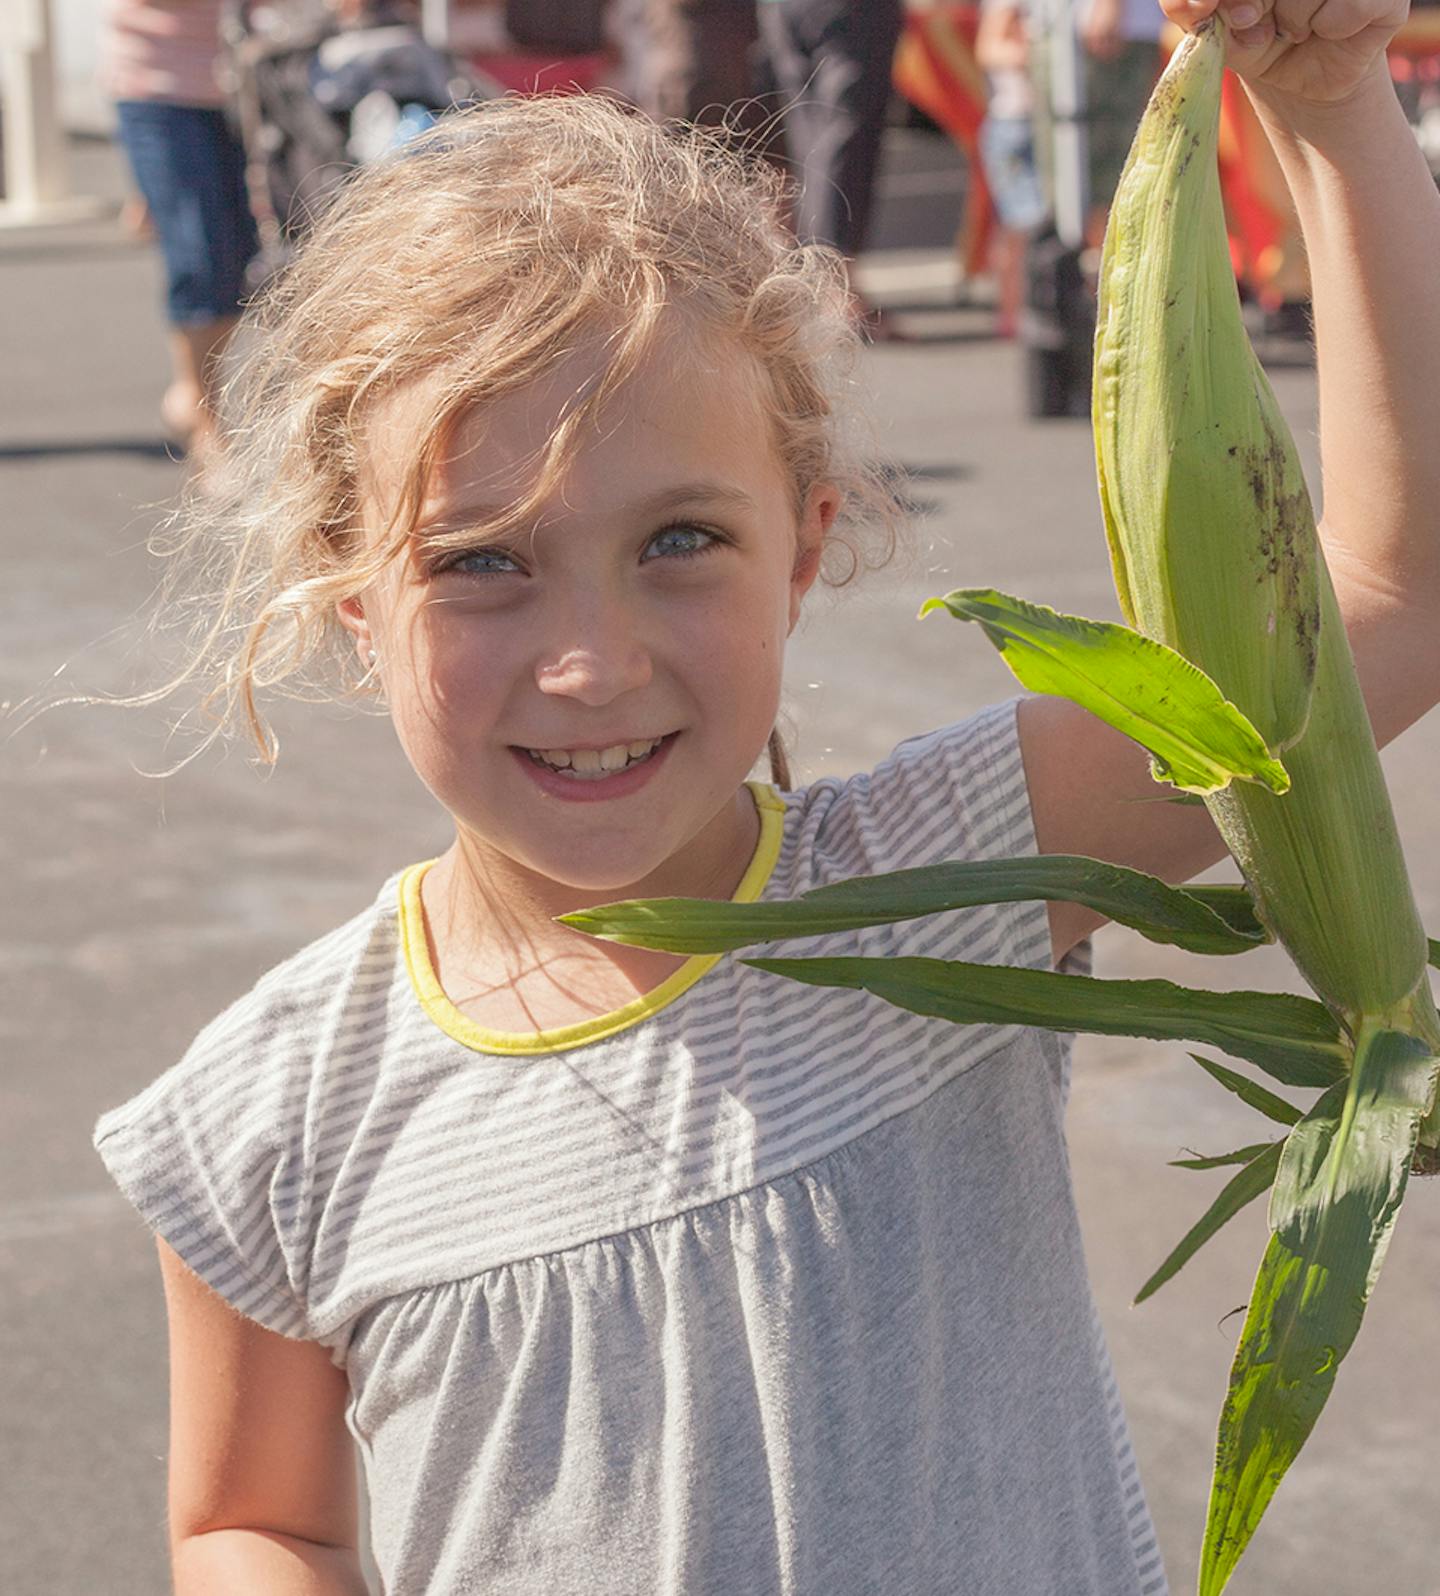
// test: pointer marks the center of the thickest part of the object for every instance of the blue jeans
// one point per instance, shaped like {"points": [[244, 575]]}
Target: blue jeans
{"points": [[191, 169]]}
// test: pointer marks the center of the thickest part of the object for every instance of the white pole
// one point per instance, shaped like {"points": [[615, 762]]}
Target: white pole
{"points": [[37, 175], [1070, 150], [435, 23]]}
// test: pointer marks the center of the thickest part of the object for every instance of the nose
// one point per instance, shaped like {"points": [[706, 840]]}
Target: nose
{"points": [[599, 657]]}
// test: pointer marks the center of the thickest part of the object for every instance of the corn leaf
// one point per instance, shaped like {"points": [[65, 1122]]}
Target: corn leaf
{"points": [[1251, 1092], [1241, 1155], [1142, 902], [1256, 1177], [1199, 740], [1235, 907], [1332, 1209], [1294, 1039]]}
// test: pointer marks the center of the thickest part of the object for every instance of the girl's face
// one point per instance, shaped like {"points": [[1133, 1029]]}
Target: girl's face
{"points": [[586, 699]]}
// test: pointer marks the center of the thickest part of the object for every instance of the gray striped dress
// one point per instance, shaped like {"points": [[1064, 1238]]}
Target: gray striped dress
{"points": [[751, 1289]]}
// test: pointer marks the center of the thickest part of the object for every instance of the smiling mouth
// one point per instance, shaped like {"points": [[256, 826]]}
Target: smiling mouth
{"points": [[595, 764]]}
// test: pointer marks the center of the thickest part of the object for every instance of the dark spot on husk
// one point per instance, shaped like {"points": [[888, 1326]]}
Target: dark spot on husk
{"points": [[1287, 535], [1167, 99]]}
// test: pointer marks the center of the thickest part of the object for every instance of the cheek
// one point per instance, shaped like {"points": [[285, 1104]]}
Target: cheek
{"points": [[445, 677], [735, 658], [742, 628]]}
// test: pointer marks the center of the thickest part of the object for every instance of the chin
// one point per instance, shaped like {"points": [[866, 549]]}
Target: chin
{"points": [[603, 882]]}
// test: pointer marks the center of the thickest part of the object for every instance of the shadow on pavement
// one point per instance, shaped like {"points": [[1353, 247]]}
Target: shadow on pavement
{"points": [[53, 448]]}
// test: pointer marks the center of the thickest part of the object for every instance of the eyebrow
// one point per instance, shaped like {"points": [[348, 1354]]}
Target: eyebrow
{"points": [[666, 500], [694, 493]]}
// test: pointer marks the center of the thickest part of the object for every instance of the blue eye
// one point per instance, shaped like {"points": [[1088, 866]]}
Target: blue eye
{"points": [[482, 562], [681, 541]]}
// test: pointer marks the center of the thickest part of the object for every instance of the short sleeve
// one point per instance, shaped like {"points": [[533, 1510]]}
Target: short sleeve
{"points": [[958, 793], [201, 1154]]}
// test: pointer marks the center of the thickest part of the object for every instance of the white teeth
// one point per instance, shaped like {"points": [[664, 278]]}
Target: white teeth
{"points": [[593, 763]]}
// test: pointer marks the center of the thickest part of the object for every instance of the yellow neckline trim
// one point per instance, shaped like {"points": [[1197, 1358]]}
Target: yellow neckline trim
{"points": [[771, 809]]}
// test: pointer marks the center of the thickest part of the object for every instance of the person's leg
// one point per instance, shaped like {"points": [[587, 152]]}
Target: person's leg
{"points": [[832, 60], [190, 170], [1007, 154], [189, 406], [722, 84]]}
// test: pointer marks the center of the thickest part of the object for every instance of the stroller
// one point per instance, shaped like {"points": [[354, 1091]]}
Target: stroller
{"points": [[314, 100]]}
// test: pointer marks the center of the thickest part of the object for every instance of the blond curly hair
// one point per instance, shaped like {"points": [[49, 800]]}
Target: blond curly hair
{"points": [[475, 259]]}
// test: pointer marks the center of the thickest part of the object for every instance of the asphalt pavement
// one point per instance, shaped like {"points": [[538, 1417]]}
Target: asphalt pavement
{"points": [[137, 906]]}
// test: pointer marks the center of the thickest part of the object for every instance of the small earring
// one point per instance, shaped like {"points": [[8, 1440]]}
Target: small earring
{"points": [[372, 657]]}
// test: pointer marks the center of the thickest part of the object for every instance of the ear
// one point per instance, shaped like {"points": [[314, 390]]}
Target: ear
{"points": [[350, 612], [822, 505]]}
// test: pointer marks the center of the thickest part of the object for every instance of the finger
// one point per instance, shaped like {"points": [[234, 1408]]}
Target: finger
{"points": [[1240, 16], [1187, 14], [1293, 19], [1249, 27]]}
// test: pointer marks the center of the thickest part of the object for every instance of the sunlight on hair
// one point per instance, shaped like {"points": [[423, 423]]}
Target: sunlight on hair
{"points": [[510, 233]]}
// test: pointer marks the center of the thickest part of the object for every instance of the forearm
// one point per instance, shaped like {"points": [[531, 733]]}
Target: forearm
{"points": [[227, 1561], [1371, 218]]}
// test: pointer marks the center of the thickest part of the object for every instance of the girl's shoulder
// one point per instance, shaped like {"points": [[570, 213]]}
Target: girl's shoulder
{"points": [[204, 1151], [955, 793], [266, 1032]]}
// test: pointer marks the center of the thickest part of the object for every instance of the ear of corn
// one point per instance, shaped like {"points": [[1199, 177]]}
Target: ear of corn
{"points": [[1214, 548], [1213, 543], [1204, 498]]}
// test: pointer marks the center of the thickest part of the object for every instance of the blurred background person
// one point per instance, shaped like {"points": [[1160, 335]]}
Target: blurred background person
{"points": [[159, 63], [1007, 149], [1122, 62], [830, 63], [686, 59]]}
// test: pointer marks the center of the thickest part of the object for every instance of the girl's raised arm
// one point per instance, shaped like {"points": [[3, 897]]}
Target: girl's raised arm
{"points": [[1317, 74], [262, 1469]]}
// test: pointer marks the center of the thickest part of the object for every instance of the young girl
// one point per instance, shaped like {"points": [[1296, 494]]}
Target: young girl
{"points": [[631, 1273]]}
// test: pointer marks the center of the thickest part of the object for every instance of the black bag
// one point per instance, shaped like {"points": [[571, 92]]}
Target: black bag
{"points": [[1057, 328], [564, 27]]}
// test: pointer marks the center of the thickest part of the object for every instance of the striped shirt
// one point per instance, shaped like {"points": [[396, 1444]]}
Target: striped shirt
{"points": [[167, 50], [750, 1288]]}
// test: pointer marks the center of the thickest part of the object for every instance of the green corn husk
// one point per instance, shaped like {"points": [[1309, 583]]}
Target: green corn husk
{"points": [[1214, 549], [1213, 544]]}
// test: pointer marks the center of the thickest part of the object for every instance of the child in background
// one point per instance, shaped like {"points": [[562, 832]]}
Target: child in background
{"points": [[632, 1273], [1007, 148]]}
